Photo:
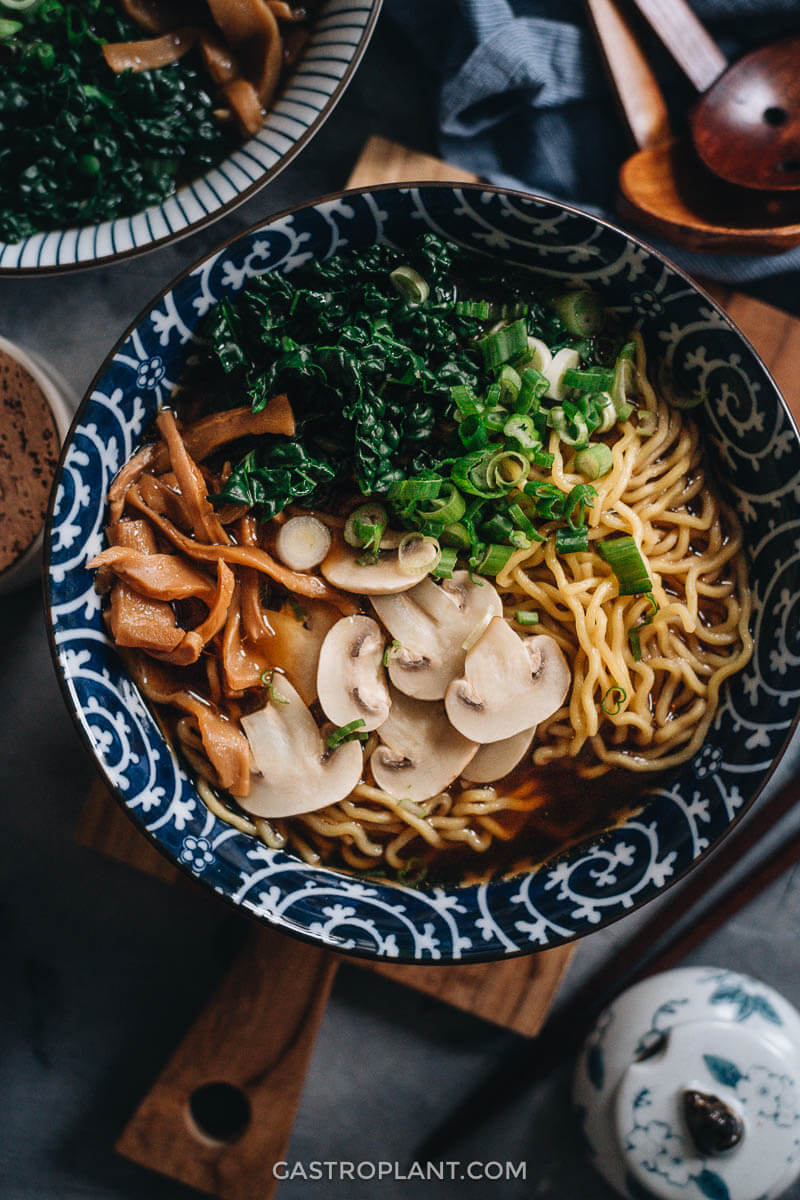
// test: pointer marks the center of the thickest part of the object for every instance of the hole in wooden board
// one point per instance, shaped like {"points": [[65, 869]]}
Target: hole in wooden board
{"points": [[791, 165], [775, 116], [219, 1111]]}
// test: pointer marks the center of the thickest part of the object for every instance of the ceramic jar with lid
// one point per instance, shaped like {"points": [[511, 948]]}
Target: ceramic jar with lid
{"points": [[36, 408], [688, 1088]]}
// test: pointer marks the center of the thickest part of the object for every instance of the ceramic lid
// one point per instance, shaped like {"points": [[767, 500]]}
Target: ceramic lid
{"points": [[713, 1111]]}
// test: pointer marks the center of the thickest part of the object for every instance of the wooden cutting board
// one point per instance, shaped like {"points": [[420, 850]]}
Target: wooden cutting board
{"points": [[263, 1063]]}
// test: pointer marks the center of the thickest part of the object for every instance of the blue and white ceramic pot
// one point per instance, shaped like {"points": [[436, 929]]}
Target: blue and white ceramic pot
{"points": [[689, 1087]]}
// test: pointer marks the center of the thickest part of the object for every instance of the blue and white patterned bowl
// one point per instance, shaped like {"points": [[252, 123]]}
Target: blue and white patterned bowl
{"points": [[754, 441], [339, 37]]}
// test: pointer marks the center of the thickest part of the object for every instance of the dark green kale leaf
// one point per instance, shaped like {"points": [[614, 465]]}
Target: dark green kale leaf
{"points": [[269, 478], [79, 144], [368, 373]]}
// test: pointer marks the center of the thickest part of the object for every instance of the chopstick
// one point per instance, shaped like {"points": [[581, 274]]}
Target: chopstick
{"points": [[645, 953]]}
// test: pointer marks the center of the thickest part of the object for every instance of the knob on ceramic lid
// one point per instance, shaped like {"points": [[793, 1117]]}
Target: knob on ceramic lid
{"points": [[713, 1112]]}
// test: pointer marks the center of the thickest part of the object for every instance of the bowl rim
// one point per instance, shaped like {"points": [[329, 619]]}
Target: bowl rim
{"points": [[287, 927], [229, 206]]}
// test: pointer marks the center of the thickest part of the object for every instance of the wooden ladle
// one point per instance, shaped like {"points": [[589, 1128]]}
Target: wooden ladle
{"points": [[746, 124], [665, 187]]}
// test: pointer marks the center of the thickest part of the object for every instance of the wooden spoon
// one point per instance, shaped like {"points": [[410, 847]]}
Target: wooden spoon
{"points": [[664, 186], [746, 124]]}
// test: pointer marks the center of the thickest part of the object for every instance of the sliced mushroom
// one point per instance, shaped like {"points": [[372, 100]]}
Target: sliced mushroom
{"points": [[300, 630], [432, 622], [421, 753], [296, 773], [508, 684], [496, 759], [343, 569], [351, 680]]}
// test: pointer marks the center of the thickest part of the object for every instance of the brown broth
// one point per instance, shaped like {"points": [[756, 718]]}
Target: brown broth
{"points": [[570, 809]]}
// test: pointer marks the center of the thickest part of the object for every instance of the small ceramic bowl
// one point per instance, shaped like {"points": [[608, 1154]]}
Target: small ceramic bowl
{"points": [[596, 881], [340, 35], [689, 1087], [40, 408]]}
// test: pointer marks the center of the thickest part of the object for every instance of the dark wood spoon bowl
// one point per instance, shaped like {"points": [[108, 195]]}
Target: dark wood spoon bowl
{"points": [[746, 127]]}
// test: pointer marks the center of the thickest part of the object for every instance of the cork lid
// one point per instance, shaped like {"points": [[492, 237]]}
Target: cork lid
{"points": [[29, 447]]}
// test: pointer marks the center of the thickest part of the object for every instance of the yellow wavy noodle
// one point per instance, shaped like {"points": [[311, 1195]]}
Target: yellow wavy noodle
{"points": [[659, 715]]}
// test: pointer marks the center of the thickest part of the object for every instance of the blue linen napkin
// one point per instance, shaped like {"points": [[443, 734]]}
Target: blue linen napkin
{"points": [[524, 101]]}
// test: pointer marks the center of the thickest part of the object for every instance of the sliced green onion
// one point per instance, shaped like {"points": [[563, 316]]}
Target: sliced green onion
{"points": [[510, 310], [573, 432], [581, 312], [470, 474], [519, 540], [533, 385], [492, 559], [447, 507], [446, 563], [510, 383], [623, 556], [502, 344], [614, 694], [473, 433], [480, 309], [522, 429], [572, 541], [507, 468], [674, 395], [606, 411], [389, 651], [494, 418], [543, 459], [266, 681], [456, 535], [413, 873], [463, 399], [417, 554], [594, 460], [592, 379], [365, 526], [524, 616], [498, 528], [409, 284], [522, 521], [549, 499], [646, 422], [9, 28], [577, 501], [352, 732], [415, 489], [634, 634], [624, 379]]}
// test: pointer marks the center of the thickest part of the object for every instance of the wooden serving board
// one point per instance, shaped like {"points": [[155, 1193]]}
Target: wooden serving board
{"points": [[265, 1065]]}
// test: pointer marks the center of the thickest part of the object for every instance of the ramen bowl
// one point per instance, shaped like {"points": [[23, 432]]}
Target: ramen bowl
{"points": [[339, 36], [682, 815]]}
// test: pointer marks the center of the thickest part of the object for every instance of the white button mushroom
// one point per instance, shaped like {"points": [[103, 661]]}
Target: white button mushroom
{"points": [[496, 759], [508, 684], [421, 753], [344, 569], [432, 623], [302, 543], [300, 630], [296, 771], [351, 680]]}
